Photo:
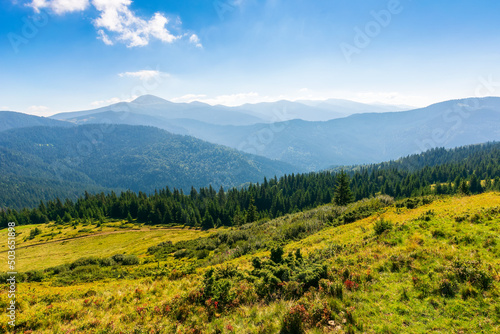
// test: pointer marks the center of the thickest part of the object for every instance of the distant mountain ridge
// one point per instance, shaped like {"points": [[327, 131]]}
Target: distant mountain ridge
{"points": [[246, 114], [362, 138]]}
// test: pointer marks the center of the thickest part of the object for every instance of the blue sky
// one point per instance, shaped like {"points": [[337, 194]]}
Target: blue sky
{"points": [[63, 55]]}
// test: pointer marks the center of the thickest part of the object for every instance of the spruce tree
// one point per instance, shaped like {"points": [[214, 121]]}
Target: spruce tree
{"points": [[251, 212], [208, 221], [343, 194], [475, 185], [464, 188]]}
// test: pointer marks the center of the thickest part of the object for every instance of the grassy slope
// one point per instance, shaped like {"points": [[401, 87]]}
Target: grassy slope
{"points": [[398, 274], [74, 242]]}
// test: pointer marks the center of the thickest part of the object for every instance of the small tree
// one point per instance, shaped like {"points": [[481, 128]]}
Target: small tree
{"points": [[343, 194], [67, 217]]}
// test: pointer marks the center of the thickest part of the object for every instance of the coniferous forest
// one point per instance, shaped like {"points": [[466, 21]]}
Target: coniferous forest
{"points": [[469, 170]]}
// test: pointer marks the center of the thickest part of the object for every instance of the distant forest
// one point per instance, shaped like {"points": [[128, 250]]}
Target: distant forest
{"points": [[471, 169]]}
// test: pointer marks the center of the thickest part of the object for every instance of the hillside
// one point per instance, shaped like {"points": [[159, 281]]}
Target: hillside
{"points": [[15, 120], [362, 138], [429, 267], [122, 157], [465, 170]]}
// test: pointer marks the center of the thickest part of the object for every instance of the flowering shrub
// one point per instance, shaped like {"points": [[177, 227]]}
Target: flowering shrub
{"points": [[350, 285], [295, 320]]}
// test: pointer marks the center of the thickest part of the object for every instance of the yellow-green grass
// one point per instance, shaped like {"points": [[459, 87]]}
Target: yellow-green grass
{"points": [[54, 232], [37, 254], [378, 305]]}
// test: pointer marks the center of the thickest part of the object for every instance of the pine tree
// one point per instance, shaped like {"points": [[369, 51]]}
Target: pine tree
{"points": [[251, 212], [343, 194], [464, 188], [208, 221], [475, 185]]}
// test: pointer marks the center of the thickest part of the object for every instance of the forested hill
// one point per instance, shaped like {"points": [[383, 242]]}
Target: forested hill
{"points": [[118, 157], [14, 120], [430, 158], [472, 169]]}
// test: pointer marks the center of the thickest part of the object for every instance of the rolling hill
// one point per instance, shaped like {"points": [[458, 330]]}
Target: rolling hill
{"points": [[120, 157], [15, 120], [431, 268]]}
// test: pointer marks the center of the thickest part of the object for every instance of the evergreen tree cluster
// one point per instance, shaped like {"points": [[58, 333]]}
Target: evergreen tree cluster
{"points": [[479, 170]]}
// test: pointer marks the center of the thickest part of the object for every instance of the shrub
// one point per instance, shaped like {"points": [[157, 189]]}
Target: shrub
{"points": [[277, 254], [35, 276], [292, 290], [350, 285], [468, 292], [471, 271], [381, 226], [295, 320], [438, 234], [181, 253], [202, 254], [447, 288], [85, 261], [257, 263], [331, 288], [33, 233], [118, 257], [107, 262], [130, 260]]}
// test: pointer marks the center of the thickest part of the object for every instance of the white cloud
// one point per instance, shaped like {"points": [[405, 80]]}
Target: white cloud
{"points": [[38, 110], [104, 37], [195, 40], [117, 18], [144, 74], [97, 104], [226, 100], [189, 98], [60, 6], [116, 21]]}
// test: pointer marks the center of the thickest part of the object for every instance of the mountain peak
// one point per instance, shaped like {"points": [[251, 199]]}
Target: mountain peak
{"points": [[149, 99]]}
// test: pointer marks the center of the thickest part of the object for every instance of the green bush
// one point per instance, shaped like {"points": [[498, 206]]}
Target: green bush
{"points": [[277, 254], [130, 260], [85, 261], [447, 288], [381, 226], [330, 288], [35, 276]]}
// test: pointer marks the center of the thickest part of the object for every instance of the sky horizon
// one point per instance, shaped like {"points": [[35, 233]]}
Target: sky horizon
{"points": [[68, 55]]}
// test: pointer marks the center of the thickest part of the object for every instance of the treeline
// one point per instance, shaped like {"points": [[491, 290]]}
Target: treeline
{"points": [[478, 171], [473, 169]]}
